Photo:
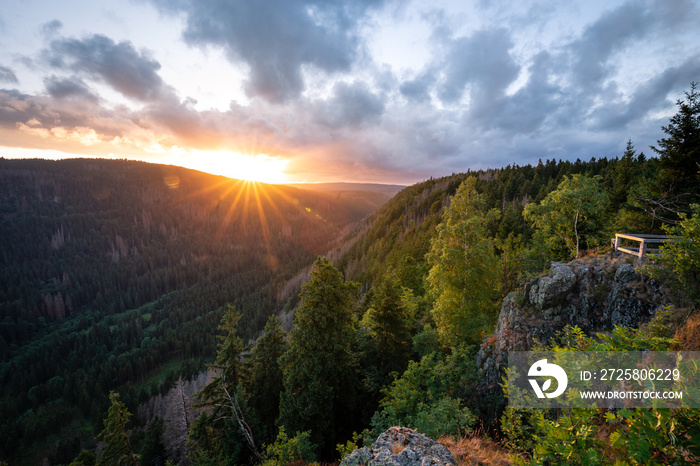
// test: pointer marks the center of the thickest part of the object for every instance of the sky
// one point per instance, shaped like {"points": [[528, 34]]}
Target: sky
{"points": [[386, 91]]}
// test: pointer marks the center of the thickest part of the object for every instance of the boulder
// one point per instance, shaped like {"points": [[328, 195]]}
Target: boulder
{"points": [[400, 446], [595, 294], [550, 290]]}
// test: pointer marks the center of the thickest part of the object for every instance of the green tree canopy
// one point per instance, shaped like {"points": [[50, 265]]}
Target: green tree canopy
{"points": [[264, 382], [565, 213], [389, 323], [227, 364], [679, 152], [115, 435], [320, 380], [464, 281], [680, 258]]}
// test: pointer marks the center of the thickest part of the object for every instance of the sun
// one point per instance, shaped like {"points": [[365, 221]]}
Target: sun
{"points": [[259, 167]]}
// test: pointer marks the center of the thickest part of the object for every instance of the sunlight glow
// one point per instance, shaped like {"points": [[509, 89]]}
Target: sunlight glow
{"points": [[260, 167]]}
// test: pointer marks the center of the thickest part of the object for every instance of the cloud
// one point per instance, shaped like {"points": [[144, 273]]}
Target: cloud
{"points": [[61, 88], [418, 88], [608, 34], [651, 96], [482, 60], [536, 102], [51, 28], [132, 73], [485, 97], [61, 119], [351, 105], [7, 75], [277, 40], [593, 54]]}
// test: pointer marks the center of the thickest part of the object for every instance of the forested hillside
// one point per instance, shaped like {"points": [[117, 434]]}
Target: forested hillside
{"points": [[385, 335], [114, 274], [388, 335]]}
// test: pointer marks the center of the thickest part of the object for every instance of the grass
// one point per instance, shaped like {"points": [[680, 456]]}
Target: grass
{"points": [[159, 376], [397, 448], [475, 450], [689, 333]]}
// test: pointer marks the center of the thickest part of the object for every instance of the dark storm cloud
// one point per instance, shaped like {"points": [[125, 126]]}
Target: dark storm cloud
{"points": [[351, 105], [593, 53], [7, 75], [61, 88], [538, 100], [482, 60], [651, 96], [276, 38], [133, 73]]}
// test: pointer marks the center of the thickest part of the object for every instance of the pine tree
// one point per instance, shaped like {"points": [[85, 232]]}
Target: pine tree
{"points": [[152, 450], [264, 383], [387, 320], [222, 393], [117, 449], [319, 372]]}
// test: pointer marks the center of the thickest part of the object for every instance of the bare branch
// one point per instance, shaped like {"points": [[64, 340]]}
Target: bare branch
{"points": [[238, 414]]}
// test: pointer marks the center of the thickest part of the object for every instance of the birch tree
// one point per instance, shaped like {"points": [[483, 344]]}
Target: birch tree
{"points": [[464, 281], [565, 213]]}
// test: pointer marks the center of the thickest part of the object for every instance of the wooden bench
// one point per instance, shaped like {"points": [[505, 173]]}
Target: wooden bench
{"points": [[643, 240]]}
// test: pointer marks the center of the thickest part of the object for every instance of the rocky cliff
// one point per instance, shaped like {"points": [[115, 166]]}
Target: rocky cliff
{"points": [[595, 294]]}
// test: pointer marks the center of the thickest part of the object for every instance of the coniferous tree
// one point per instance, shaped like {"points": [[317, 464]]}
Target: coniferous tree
{"points": [[152, 449], [388, 322], [264, 383], [679, 152], [222, 393], [320, 379], [115, 435]]}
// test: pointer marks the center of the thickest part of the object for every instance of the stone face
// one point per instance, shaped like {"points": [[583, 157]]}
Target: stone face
{"points": [[548, 291], [400, 446], [625, 273], [595, 294]]}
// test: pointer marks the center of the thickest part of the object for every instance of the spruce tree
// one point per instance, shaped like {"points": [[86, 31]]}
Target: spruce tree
{"points": [[152, 449], [679, 152], [388, 322], [319, 373], [227, 365], [264, 382], [117, 449]]}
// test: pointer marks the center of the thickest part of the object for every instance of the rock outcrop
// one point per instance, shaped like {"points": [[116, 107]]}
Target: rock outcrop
{"points": [[595, 294], [400, 446]]}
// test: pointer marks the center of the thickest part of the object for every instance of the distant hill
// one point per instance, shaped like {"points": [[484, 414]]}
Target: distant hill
{"points": [[361, 199], [114, 275]]}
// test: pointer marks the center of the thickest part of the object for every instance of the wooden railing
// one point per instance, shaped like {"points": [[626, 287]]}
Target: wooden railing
{"points": [[643, 240]]}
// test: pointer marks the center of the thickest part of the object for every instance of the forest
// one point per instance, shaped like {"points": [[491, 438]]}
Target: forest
{"points": [[115, 274], [122, 278]]}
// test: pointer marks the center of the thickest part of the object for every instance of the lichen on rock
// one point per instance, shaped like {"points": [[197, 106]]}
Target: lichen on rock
{"points": [[400, 446], [596, 294]]}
